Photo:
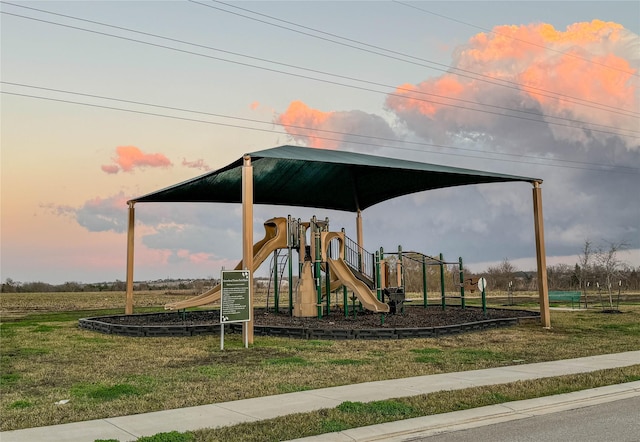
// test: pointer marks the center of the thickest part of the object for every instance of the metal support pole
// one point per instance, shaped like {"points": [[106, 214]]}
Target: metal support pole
{"points": [[399, 270], [276, 292], [345, 301], [128, 309], [543, 289], [327, 283], [359, 238], [442, 292], [378, 288], [462, 302], [484, 300], [424, 281], [290, 257]]}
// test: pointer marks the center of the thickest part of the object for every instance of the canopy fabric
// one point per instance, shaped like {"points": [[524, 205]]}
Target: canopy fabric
{"points": [[319, 178]]}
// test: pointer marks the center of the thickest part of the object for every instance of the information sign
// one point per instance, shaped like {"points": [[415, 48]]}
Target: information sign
{"points": [[235, 293], [235, 300]]}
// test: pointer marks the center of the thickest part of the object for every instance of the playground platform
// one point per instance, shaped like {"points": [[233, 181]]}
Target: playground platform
{"points": [[129, 428]]}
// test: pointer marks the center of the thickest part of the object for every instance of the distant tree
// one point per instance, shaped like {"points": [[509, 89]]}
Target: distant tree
{"points": [[9, 286], [70, 286], [118, 286], [500, 275], [559, 276], [37, 287]]}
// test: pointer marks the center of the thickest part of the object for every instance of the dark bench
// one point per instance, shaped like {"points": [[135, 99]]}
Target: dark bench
{"points": [[565, 296]]}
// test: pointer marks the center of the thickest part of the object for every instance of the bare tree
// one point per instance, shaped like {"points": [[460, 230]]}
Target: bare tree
{"points": [[585, 263], [610, 265]]}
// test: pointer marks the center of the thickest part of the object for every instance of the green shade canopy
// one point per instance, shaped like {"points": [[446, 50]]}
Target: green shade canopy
{"points": [[328, 179]]}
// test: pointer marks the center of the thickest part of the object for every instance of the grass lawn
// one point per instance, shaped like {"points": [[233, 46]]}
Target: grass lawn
{"points": [[46, 358]]}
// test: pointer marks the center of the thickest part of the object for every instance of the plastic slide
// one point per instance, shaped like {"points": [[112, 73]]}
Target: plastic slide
{"points": [[368, 298], [275, 238]]}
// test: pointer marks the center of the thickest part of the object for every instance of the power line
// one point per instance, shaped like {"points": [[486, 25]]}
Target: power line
{"points": [[344, 77], [290, 125], [444, 67], [490, 31], [536, 120], [351, 134], [154, 114]]}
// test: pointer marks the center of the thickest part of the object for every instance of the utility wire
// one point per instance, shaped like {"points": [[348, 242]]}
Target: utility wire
{"points": [[536, 120], [305, 128], [444, 67], [344, 77], [490, 31], [483, 157]]}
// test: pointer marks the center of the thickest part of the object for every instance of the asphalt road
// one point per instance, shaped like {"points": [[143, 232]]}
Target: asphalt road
{"points": [[617, 421]]}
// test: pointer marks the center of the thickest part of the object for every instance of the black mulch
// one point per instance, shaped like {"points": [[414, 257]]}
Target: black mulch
{"points": [[413, 317]]}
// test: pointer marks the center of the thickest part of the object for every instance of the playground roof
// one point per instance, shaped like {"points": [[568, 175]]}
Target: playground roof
{"points": [[320, 178]]}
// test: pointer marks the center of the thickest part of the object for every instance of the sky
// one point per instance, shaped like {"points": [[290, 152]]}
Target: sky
{"points": [[103, 101]]}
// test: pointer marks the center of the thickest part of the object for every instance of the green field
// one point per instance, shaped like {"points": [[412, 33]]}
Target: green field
{"points": [[46, 358]]}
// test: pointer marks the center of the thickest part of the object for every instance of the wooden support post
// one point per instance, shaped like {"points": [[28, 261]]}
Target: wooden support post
{"points": [[541, 259], [247, 239], [128, 309]]}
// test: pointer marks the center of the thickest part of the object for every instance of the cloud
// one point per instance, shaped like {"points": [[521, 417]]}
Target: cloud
{"points": [[110, 168], [586, 73], [196, 164], [104, 214], [333, 130], [58, 210], [129, 158], [255, 105]]}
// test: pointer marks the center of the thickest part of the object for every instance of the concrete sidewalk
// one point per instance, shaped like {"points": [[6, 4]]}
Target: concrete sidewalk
{"points": [[128, 428]]}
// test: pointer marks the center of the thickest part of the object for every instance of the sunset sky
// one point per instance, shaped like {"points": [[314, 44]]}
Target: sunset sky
{"points": [[103, 101]]}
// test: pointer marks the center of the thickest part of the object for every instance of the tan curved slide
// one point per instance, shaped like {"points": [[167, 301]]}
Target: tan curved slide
{"points": [[368, 298], [275, 238]]}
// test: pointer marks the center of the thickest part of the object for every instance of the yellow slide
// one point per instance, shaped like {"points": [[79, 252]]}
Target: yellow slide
{"points": [[368, 298], [275, 238]]}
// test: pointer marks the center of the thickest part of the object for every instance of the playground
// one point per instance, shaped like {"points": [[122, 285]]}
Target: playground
{"points": [[339, 291], [332, 271]]}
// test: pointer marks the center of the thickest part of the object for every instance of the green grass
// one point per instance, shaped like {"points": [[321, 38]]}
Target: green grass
{"points": [[7, 379], [173, 436], [20, 404], [213, 371], [291, 360], [382, 408]]}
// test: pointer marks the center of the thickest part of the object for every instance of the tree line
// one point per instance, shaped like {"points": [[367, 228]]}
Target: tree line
{"points": [[597, 268]]}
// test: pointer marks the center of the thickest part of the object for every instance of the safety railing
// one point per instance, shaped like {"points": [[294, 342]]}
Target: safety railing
{"points": [[359, 259]]}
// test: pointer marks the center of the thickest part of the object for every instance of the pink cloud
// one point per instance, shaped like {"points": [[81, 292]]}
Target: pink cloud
{"points": [[130, 157], [110, 168], [331, 130], [254, 105], [591, 60]]}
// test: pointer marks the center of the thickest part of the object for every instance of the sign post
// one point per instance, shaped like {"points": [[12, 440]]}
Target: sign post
{"points": [[235, 300], [482, 285]]}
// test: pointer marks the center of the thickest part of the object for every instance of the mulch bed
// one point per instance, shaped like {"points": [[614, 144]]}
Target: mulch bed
{"points": [[413, 317]]}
